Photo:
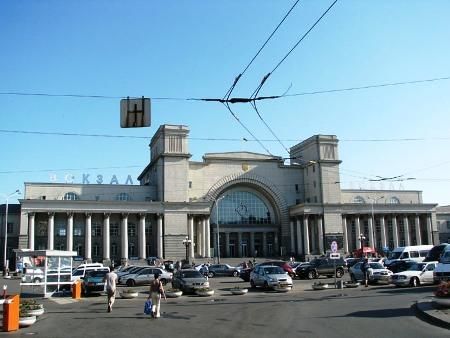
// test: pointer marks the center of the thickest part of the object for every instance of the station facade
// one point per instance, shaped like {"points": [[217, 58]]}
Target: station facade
{"points": [[259, 205]]}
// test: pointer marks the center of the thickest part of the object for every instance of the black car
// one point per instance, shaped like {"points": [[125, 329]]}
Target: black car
{"points": [[401, 265], [222, 270], [244, 274], [321, 267]]}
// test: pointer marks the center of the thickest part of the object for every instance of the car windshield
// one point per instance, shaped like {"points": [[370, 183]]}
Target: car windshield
{"points": [[98, 273], [191, 274], [446, 257], [271, 270], [395, 255], [376, 266], [416, 267]]}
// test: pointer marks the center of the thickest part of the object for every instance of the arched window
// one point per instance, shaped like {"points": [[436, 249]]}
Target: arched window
{"points": [[241, 207], [71, 196], [394, 200], [359, 200], [123, 196]]}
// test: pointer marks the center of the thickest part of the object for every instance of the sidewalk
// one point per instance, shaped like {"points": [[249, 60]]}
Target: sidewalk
{"points": [[432, 313]]}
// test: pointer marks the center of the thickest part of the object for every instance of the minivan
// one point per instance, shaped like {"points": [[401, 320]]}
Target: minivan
{"points": [[415, 253]]}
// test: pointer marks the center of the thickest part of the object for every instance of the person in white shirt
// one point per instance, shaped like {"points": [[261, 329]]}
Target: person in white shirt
{"points": [[111, 279]]}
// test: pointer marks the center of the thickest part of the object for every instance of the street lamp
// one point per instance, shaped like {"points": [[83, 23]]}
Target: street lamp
{"points": [[5, 261], [217, 226], [374, 200], [187, 243], [361, 240]]}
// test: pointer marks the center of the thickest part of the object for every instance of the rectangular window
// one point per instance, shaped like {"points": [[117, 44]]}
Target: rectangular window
{"points": [[190, 184], [78, 232], [148, 229], [114, 230], [96, 250], [96, 231], [61, 232], [131, 229]]}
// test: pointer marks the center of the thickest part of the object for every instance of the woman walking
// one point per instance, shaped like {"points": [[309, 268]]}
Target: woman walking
{"points": [[156, 291]]}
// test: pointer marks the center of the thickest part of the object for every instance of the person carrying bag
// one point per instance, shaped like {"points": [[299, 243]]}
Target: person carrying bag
{"points": [[156, 291]]}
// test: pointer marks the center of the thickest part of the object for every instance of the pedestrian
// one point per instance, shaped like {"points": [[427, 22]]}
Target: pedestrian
{"points": [[110, 279], [156, 291], [365, 270]]}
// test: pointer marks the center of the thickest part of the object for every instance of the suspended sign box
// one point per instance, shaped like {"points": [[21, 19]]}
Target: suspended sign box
{"points": [[135, 113]]}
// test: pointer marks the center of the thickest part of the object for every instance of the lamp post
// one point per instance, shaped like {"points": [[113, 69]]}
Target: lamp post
{"points": [[361, 240], [187, 243], [5, 261], [217, 227], [374, 200]]}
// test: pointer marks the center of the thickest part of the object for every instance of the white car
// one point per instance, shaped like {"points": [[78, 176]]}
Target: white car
{"points": [[146, 276], [269, 276], [417, 274]]}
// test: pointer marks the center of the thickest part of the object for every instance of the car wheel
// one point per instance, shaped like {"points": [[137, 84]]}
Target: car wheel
{"points": [[252, 284], [352, 278], [266, 285], [414, 282], [339, 273], [36, 280], [163, 281], [235, 273], [311, 274], [130, 282], [210, 274]]}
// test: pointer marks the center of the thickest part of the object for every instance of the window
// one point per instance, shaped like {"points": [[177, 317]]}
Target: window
{"points": [[190, 184], [71, 196], [394, 200], [448, 224], [96, 250], [42, 229], [79, 249], [414, 254], [114, 249], [131, 250], [123, 196], [131, 229], [61, 231], [78, 231], [359, 200], [114, 229], [96, 230]]}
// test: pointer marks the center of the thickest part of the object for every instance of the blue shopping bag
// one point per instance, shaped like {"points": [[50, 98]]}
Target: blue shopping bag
{"points": [[148, 307]]}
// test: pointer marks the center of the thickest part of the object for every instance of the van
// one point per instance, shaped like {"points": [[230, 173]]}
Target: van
{"points": [[442, 271], [80, 271], [436, 252], [415, 253]]}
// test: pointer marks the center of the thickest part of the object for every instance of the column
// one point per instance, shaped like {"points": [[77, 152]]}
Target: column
{"points": [[371, 237], [239, 244], [191, 237], [208, 238], [291, 228], [141, 236], [313, 234], [31, 219], [88, 238], [383, 232], [159, 235], [395, 231], [299, 237], [51, 230], [265, 244], [204, 237], [124, 237], [320, 234], [227, 244], [357, 233], [345, 232], [199, 239], [418, 234], [406, 229], [69, 232], [429, 230], [106, 237], [306, 235]]}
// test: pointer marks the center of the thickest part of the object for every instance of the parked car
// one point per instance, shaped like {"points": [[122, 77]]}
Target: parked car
{"points": [[188, 280], [350, 261], [81, 271], [270, 277], [132, 269], [436, 252], [377, 273], [146, 276], [94, 281], [223, 270], [414, 253], [321, 266], [282, 264], [417, 274], [442, 271], [399, 266]]}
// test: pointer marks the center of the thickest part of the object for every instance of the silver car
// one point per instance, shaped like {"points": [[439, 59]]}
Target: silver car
{"points": [[145, 276], [188, 280], [270, 277], [377, 273]]}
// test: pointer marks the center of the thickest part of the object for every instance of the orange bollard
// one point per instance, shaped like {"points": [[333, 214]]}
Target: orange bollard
{"points": [[11, 313], [76, 290]]}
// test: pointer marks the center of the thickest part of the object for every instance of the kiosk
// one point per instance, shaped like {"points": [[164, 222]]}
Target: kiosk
{"points": [[46, 271]]}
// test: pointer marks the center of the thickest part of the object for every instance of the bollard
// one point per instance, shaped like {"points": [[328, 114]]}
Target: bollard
{"points": [[11, 313], [76, 290]]}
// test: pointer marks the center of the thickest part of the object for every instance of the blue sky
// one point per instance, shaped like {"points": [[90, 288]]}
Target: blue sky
{"points": [[194, 49]]}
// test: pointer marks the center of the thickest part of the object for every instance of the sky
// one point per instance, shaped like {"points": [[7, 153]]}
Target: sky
{"points": [[178, 50]]}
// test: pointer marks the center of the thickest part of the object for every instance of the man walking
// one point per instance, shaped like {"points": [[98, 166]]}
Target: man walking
{"points": [[111, 279]]}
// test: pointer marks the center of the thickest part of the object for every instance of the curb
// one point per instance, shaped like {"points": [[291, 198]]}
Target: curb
{"points": [[425, 311]]}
